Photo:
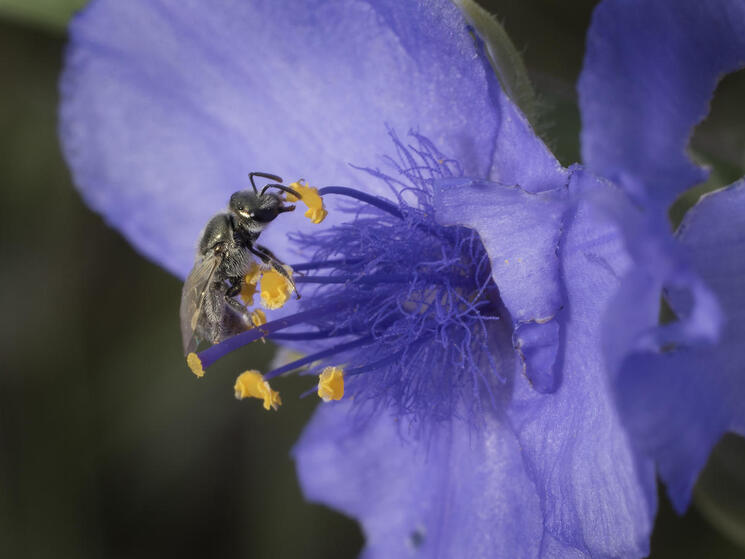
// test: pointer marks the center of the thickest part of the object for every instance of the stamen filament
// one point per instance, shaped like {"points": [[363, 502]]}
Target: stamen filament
{"points": [[290, 336], [318, 265], [316, 356], [374, 365], [379, 203], [208, 357], [381, 278], [308, 392], [377, 278], [385, 360]]}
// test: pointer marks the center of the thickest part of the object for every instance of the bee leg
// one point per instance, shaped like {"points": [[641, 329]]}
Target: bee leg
{"points": [[267, 257], [237, 308], [270, 254], [235, 286], [266, 253]]}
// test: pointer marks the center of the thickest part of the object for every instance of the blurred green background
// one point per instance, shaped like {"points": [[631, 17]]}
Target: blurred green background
{"points": [[110, 447]]}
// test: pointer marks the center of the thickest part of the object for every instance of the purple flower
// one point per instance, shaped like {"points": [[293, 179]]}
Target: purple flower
{"points": [[462, 276], [650, 71]]}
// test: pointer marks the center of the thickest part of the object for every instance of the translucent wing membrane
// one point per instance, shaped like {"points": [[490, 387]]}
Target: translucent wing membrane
{"points": [[193, 296]]}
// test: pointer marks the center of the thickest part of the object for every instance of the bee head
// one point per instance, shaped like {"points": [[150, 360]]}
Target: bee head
{"points": [[254, 210]]}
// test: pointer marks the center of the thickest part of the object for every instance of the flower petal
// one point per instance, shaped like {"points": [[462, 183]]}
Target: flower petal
{"points": [[162, 125], [678, 402], [457, 493], [520, 156], [675, 411], [520, 231], [598, 495], [713, 234], [649, 73]]}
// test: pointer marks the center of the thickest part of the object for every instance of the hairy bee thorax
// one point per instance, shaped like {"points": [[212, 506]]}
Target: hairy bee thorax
{"points": [[218, 231]]}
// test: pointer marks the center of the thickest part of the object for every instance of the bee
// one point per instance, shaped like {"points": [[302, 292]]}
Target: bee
{"points": [[209, 312]]}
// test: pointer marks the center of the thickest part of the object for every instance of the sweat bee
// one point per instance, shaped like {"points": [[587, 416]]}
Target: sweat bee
{"points": [[209, 312]]}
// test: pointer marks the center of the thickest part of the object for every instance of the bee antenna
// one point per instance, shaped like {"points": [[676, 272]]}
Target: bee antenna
{"points": [[263, 175], [283, 188]]}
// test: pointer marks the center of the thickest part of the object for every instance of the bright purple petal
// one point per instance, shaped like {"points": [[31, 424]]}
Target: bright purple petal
{"points": [[457, 493], [597, 494], [674, 407], [537, 343], [678, 401], [520, 157], [649, 73], [520, 231], [713, 235], [168, 105]]}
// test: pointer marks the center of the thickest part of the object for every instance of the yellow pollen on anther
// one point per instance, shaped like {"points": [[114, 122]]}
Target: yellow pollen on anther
{"points": [[248, 287], [275, 288], [253, 274], [250, 384], [258, 317], [310, 197], [331, 384], [248, 290], [195, 364]]}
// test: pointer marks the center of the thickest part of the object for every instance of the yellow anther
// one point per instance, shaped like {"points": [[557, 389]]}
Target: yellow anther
{"points": [[331, 384], [195, 364], [309, 196], [248, 290], [253, 274], [251, 384], [275, 288], [258, 317], [248, 287], [316, 215], [298, 186]]}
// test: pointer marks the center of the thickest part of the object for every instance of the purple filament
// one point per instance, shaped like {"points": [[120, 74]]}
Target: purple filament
{"points": [[374, 279], [212, 354], [318, 355], [379, 203], [302, 267], [375, 365], [371, 279], [300, 336]]}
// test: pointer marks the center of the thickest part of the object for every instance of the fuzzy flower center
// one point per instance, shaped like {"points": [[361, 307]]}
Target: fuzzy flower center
{"points": [[397, 310]]}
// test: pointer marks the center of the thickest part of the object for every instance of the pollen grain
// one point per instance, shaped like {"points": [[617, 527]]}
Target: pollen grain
{"points": [[248, 287], [310, 197], [275, 289], [258, 318], [251, 384], [331, 384], [195, 364]]}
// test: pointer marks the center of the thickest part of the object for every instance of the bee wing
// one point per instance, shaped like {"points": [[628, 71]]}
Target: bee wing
{"points": [[193, 296]]}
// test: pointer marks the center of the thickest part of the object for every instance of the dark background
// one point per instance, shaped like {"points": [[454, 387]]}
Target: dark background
{"points": [[110, 447]]}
